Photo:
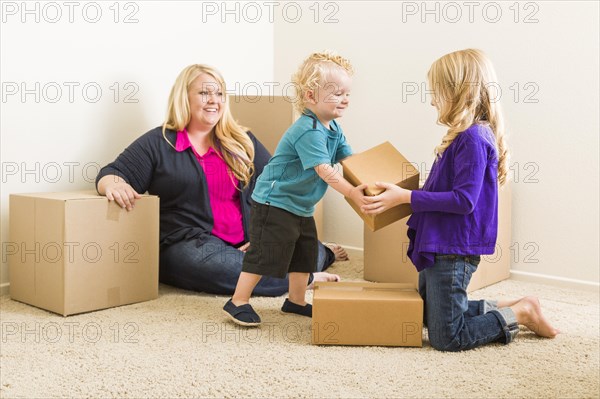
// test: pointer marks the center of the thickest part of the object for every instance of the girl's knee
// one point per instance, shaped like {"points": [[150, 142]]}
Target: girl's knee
{"points": [[441, 341], [450, 346]]}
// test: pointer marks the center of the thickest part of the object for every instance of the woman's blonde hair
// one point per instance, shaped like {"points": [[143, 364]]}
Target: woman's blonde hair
{"points": [[461, 82], [311, 74], [229, 137]]}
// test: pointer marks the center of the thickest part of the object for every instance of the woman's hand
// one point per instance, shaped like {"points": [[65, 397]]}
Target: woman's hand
{"points": [[117, 189], [244, 247], [391, 197]]}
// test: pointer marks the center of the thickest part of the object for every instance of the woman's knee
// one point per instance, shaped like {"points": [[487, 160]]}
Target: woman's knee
{"points": [[209, 267]]}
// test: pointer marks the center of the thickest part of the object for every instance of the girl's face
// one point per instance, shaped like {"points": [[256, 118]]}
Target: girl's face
{"points": [[435, 95], [437, 100], [332, 98], [206, 102]]}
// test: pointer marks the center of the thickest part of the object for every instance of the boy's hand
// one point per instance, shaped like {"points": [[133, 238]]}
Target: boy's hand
{"points": [[334, 179], [357, 195], [391, 197]]}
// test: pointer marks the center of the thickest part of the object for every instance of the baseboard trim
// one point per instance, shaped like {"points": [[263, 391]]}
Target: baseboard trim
{"points": [[514, 274], [354, 251], [520, 275], [554, 280], [4, 288]]}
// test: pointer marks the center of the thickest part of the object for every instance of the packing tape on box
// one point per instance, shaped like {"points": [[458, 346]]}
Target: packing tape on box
{"points": [[356, 287], [113, 211]]}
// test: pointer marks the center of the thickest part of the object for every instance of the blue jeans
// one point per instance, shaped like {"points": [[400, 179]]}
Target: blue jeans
{"points": [[455, 323], [213, 266]]}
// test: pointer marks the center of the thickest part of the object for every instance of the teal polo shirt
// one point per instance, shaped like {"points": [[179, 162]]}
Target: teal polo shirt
{"points": [[289, 180]]}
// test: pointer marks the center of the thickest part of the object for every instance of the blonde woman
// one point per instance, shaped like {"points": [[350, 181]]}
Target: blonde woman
{"points": [[203, 166], [455, 217]]}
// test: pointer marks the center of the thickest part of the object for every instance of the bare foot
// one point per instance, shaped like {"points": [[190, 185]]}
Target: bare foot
{"points": [[529, 313], [339, 252], [323, 276]]}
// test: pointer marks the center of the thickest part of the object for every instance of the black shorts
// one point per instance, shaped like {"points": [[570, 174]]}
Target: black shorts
{"points": [[280, 242]]}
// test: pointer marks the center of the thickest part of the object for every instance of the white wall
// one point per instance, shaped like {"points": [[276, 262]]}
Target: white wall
{"points": [[68, 140], [554, 140]]}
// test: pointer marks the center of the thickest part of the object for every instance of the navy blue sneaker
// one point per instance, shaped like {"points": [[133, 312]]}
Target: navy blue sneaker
{"points": [[243, 315], [291, 307]]}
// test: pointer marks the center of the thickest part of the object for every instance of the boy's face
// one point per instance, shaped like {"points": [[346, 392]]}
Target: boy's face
{"points": [[332, 98]]}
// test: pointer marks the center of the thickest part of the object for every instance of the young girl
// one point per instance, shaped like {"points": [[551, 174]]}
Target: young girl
{"points": [[455, 217], [283, 236]]}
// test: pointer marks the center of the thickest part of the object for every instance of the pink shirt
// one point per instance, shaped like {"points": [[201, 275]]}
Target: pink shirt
{"points": [[222, 192]]}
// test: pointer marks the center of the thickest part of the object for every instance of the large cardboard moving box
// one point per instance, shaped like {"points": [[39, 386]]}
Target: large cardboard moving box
{"points": [[385, 258], [268, 117], [382, 163], [361, 313], [75, 252]]}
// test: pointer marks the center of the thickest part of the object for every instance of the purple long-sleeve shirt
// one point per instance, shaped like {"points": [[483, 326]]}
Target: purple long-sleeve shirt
{"points": [[456, 212]]}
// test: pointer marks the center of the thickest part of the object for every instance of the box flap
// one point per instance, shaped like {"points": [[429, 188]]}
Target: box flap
{"points": [[21, 236], [36, 269], [364, 291], [361, 285], [66, 196], [115, 256]]}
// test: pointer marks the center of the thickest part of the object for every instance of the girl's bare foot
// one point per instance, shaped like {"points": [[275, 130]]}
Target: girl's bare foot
{"points": [[529, 313], [506, 303], [323, 276], [339, 252]]}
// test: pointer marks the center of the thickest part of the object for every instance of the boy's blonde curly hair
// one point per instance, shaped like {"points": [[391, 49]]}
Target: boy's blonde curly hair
{"points": [[312, 72]]}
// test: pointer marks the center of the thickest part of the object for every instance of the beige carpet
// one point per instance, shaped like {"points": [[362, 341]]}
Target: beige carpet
{"points": [[180, 345]]}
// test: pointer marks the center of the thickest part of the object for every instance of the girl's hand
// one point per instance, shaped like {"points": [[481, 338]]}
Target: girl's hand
{"points": [[357, 195], [122, 193], [391, 197]]}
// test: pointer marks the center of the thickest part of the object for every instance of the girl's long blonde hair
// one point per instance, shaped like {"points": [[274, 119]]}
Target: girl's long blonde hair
{"points": [[462, 84], [311, 74], [229, 137]]}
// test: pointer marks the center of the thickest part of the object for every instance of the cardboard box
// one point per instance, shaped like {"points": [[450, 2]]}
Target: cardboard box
{"points": [[381, 164], [385, 258], [268, 117], [75, 252], [361, 313]]}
